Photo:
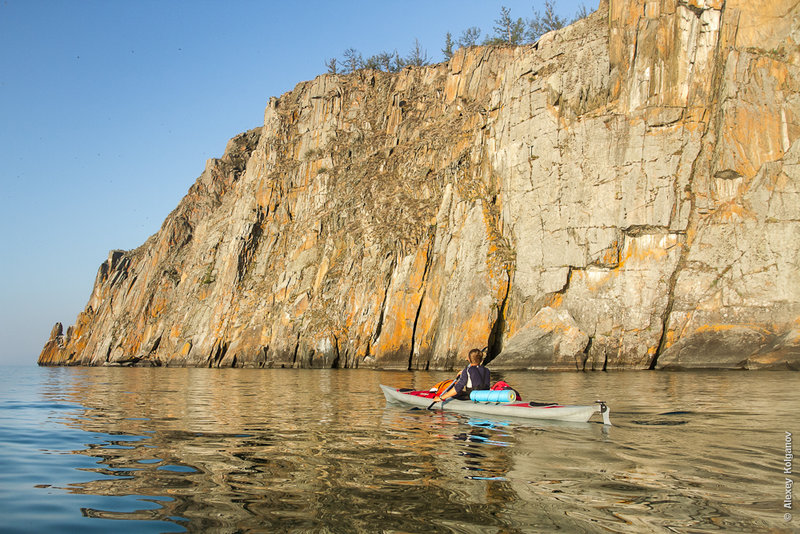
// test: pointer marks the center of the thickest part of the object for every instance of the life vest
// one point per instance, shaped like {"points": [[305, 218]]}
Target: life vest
{"points": [[476, 379], [480, 373]]}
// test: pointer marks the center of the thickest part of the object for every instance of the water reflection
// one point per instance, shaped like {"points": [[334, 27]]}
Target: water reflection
{"points": [[205, 449], [199, 449]]}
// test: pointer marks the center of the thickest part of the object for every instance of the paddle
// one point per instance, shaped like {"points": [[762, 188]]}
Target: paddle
{"points": [[442, 393]]}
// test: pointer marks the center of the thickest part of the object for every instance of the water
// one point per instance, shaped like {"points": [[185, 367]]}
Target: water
{"points": [[176, 450]]}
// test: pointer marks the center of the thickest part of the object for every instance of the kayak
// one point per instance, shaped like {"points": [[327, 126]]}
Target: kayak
{"points": [[527, 410]]}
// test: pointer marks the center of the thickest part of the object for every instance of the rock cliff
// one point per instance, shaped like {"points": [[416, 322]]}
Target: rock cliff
{"points": [[625, 193]]}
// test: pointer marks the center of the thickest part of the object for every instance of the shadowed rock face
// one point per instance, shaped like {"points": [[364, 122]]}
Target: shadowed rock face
{"points": [[623, 194]]}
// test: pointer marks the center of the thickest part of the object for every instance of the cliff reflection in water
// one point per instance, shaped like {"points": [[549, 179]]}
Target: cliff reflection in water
{"points": [[319, 450], [247, 449]]}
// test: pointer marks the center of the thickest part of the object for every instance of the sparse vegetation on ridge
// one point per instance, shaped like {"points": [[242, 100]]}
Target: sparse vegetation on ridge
{"points": [[506, 31]]}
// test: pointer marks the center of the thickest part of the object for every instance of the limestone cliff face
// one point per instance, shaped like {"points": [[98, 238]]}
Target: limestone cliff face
{"points": [[623, 194]]}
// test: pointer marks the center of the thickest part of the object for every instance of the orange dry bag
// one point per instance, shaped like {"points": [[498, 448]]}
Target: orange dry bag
{"points": [[442, 386]]}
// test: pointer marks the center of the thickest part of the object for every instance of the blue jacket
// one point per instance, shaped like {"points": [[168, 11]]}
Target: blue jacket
{"points": [[472, 378]]}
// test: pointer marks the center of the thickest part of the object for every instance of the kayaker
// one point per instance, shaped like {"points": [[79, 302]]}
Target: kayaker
{"points": [[473, 377]]}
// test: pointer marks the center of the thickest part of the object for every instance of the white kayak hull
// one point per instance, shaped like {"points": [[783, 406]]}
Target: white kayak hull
{"points": [[557, 412]]}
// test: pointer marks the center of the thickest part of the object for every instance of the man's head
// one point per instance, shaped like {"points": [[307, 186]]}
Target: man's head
{"points": [[475, 356]]}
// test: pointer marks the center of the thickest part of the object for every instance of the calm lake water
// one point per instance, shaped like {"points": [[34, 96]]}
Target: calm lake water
{"points": [[229, 450]]}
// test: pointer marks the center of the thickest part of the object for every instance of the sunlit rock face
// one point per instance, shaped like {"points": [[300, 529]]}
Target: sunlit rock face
{"points": [[625, 193]]}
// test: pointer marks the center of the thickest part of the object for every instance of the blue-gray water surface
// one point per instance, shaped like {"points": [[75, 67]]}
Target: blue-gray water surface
{"points": [[232, 450]]}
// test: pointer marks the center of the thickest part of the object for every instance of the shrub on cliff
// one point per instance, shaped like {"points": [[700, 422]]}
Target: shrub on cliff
{"points": [[507, 31]]}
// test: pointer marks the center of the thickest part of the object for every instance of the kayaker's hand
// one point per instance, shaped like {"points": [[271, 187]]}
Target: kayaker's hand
{"points": [[437, 398]]}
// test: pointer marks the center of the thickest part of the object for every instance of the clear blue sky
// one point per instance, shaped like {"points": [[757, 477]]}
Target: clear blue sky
{"points": [[110, 108]]}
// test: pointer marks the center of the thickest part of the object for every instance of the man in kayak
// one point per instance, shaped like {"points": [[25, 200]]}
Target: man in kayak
{"points": [[473, 377]]}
